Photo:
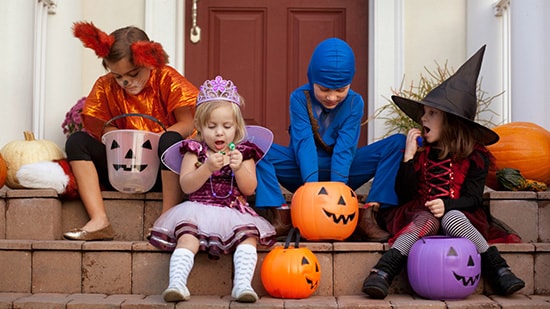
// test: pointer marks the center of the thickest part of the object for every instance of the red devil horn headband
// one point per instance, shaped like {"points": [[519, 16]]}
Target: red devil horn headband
{"points": [[93, 38], [144, 53], [149, 54]]}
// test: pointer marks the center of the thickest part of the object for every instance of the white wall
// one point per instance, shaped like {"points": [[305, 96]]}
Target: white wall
{"points": [[16, 57], [70, 69], [530, 72], [408, 35], [403, 44], [485, 27], [63, 69], [442, 39]]}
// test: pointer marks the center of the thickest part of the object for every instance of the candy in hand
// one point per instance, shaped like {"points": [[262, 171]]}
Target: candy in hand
{"points": [[231, 147], [419, 141]]}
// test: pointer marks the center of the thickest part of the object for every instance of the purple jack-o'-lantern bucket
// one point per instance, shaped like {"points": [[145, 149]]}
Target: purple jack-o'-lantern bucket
{"points": [[132, 157], [441, 267]]}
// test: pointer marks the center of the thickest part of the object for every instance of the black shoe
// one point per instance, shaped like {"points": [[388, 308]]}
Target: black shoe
{"points": [[497, 271], [376, 285], [379, 279], [506, 283]]}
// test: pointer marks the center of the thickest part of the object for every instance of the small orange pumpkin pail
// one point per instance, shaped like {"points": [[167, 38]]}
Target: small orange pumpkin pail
{"points": [[291, 271]]}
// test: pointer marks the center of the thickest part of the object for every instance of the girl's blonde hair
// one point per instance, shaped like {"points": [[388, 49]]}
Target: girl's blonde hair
{"points": [[204, 110]]}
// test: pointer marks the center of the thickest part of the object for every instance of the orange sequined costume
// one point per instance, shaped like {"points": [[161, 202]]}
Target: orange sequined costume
{"points": [[165, 91]]}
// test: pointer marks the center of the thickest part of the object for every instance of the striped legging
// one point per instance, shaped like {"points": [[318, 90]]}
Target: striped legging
{"points": [[454, 223]]}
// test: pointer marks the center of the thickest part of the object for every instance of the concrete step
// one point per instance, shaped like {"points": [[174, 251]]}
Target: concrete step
{"points": [[41, 215], [39, 270], [122, 267], [395, 301]]}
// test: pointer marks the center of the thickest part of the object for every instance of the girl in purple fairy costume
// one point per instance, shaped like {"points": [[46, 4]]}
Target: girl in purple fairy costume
{"points": [[218, 172]]}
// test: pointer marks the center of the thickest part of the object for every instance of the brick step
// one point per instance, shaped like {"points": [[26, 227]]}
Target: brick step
{"points": [[41, 215], [122, 267], [395, 301]]}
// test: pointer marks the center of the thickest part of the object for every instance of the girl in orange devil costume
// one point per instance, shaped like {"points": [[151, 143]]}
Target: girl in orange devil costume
{"points": [[138, 81]]}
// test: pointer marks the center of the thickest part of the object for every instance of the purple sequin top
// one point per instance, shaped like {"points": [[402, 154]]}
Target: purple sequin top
{"points": [[221, 189]]}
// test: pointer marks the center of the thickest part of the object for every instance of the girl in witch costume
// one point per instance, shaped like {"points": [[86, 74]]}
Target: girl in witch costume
{"points": [[139, 81], [218, 171], [440, 184]]}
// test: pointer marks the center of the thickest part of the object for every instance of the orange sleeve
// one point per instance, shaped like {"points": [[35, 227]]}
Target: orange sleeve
{"points": [[165, 91]]}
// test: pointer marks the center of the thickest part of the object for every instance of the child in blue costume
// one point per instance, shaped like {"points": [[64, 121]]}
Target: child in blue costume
{"points": [[325, 123]]}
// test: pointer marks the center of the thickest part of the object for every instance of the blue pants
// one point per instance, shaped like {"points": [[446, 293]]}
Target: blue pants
{"points": [[380, 160]]}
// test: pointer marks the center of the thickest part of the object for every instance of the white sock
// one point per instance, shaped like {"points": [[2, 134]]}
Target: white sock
{"points": [[181, 263], [244, 259]]}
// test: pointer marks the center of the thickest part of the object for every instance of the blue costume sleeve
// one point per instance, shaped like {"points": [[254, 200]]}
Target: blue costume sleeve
{"points": [[348, 126], [301, 137]]}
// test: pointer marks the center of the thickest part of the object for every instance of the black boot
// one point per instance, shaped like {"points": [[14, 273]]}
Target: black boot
{"points": [[495, 269], [379, 280]]}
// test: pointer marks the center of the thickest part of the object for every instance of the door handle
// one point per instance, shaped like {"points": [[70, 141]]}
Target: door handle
{"points": [[195, 33]]}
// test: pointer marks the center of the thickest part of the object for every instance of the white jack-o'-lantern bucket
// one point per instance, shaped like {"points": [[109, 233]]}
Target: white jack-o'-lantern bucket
{"points": [[132, 157]]}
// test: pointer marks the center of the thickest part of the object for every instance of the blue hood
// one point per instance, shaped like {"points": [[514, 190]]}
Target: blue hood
{"points": [[332, 64]]}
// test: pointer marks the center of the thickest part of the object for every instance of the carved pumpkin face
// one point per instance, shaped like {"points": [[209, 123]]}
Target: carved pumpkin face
{"points": [[324, 210], [130, 162], [290, 272], [442, 267], [132, 159]]}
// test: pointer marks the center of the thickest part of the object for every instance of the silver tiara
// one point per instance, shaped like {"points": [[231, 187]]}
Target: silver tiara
{"points": [[218, 89]]}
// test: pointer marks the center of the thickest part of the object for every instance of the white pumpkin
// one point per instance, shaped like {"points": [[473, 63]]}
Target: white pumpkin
{"points": [[30, 150]]}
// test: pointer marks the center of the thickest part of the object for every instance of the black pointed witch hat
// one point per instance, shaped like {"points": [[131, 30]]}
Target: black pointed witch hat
{"points": [[457, 95]]}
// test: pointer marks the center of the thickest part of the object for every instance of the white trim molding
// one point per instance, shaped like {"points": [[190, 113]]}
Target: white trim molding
{"points": [[503, 13], [164, 24], [42, 9], [386, 57], [501, 6]]}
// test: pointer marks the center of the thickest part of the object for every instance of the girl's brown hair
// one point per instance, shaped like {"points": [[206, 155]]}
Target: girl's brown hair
{"points": [[128, 42], [458, 138], [121, 48]]}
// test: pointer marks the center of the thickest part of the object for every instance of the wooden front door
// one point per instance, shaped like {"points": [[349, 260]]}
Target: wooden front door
{"points": [[264, 46]]}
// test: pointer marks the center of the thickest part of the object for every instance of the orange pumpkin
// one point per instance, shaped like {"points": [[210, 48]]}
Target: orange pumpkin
{"points": [[3, 171], [524, 146], [325, 210], [290, 271]]}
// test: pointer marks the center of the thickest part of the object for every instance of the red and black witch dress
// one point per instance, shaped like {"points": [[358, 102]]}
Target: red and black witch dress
{"points": [[459, 183]]}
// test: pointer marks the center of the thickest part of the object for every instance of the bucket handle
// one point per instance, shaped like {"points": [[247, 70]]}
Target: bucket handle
{"points": [[135, 114], [293, 231]]}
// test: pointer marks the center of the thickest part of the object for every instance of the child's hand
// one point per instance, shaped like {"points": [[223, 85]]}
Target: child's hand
{"points": [[411, 144], [235, 160], [214, 162], [436, 207]]}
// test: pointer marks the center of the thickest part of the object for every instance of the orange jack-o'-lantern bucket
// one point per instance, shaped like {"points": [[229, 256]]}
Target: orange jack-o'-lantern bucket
{"points": [[325, 210], [132, 157]]}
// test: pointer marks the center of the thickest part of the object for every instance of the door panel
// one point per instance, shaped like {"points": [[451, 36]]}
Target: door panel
{"points": [[264, 46]]}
